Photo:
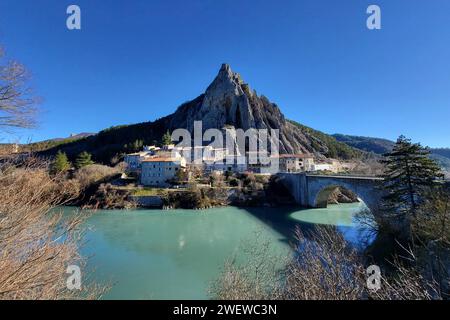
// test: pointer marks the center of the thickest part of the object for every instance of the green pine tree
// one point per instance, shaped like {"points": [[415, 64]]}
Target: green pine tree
{"points": [[137, 145], [409, 176], [83, 159], [166, 139], [60, 164]]}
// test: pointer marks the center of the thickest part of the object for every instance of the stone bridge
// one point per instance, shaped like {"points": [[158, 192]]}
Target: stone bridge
{"points": [[313, 190]]}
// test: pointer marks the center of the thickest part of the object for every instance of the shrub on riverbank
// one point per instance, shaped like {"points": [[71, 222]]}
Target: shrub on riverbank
{"points": [[431, 231], [110, 197], [36, 246], [96, 189], [94, 173], [325, 267], [432, 224], [196, 198]]}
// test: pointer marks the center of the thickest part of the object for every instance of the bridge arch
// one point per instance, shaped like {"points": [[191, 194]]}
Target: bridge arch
{"points": [[313, 190], [323, 196], [320, 188]]}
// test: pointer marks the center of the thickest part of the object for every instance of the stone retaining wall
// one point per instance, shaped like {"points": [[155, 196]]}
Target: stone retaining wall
{"points": [[148, 201]]}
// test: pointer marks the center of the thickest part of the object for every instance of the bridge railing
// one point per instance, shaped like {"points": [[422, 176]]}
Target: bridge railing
{"points": [[345, 175], [315, 173]]}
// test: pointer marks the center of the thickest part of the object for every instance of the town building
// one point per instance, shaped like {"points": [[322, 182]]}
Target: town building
{"points": [[221, 166], [208, 159], [157, 171], [296, 162], [324, 167], [199, 152], [152, 148], [168, 147], [157, 165], [15, 148], [133, 160]]}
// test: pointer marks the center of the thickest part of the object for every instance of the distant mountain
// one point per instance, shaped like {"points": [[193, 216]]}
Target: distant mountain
{"points": [[369, 144], [444, 152], [227, 102], [73, 136], [444, 162], [381, 146], [336, 149], [52, 143], [8, 148]]}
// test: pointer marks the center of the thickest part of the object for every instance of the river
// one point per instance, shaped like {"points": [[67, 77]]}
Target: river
{"points": [[175, 254]]}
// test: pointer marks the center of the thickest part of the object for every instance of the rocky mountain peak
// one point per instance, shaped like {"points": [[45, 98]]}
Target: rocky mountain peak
{"points": [[229, 102], [226, 82], [225, 69], [225, 72]]}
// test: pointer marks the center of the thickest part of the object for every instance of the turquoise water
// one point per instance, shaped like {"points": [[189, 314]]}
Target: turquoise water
{"points": [[175, 254]]}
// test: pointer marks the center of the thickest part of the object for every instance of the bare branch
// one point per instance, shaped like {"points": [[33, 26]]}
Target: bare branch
{"points": [[18, 105]]}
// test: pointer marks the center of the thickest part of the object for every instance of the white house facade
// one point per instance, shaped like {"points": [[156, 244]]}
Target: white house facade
{"points": [[157, 171]]}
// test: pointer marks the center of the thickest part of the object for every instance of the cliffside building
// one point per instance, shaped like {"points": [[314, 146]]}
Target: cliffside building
{"points": [[158, 170], [133, 160], [296, 162]]}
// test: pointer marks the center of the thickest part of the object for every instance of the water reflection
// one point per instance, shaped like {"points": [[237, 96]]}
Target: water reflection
{"points": [[154, 254]]}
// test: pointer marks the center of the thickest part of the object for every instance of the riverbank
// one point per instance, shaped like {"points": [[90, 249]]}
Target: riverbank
{"points": [[102, 187], [267, 192]]}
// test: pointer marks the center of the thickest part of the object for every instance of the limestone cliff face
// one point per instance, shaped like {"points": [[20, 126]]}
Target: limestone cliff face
{"points": [[229, 102]]}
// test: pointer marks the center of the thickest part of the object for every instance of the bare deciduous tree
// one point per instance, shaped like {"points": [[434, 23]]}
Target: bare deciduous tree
{"points": [[324, 267], [17, 102], [38, 244], [254, 279]]}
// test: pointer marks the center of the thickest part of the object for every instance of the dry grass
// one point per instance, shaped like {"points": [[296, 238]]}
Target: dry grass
{"points": [[36, 245]]}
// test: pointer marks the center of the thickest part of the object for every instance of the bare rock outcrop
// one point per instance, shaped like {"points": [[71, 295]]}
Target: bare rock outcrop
{"points": [[230, 102], [342, 195]]}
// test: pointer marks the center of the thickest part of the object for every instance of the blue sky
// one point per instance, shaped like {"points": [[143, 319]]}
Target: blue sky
{"points": [[135, 61]]}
